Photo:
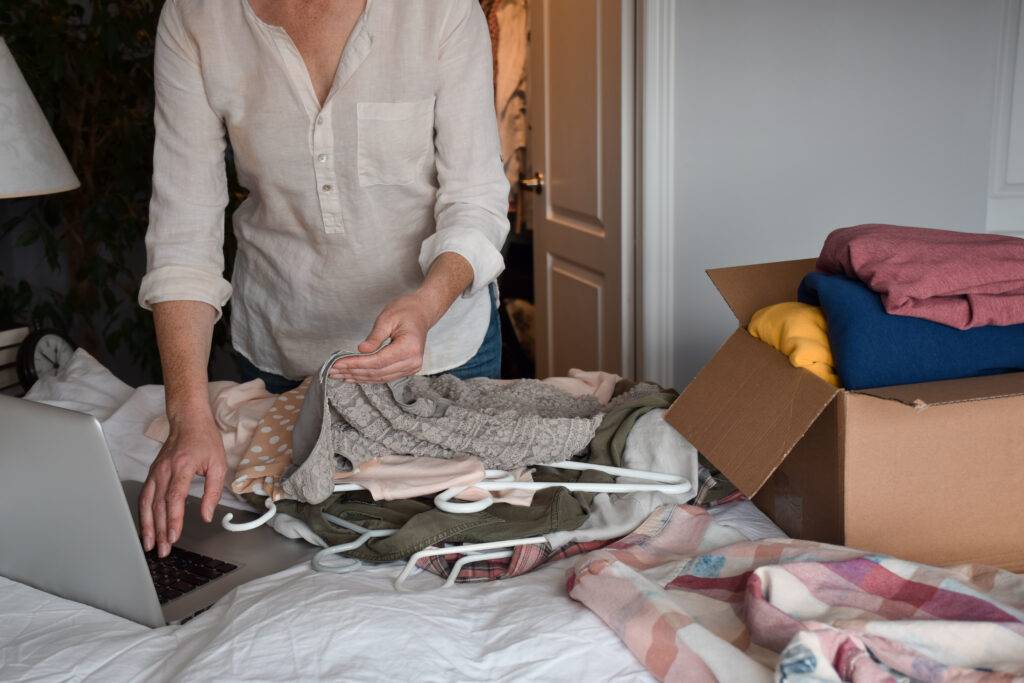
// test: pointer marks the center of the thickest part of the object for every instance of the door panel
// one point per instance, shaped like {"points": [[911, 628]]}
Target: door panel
{"points": [[576, 141], [577, 316], [573, 117]]}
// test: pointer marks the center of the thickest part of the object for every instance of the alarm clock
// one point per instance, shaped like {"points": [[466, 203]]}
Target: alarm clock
{"points": [[42, 351]]}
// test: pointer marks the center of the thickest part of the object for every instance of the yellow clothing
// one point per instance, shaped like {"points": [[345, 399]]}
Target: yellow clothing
{"points": [[799, 331]]}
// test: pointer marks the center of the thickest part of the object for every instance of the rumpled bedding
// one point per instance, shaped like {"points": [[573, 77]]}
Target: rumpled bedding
{"points": [[299, 625], [124, 413], [695, 601], [960, 279], [875, 349]]}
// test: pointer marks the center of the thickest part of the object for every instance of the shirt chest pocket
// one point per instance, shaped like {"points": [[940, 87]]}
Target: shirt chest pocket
{"points": [[395, 139]]}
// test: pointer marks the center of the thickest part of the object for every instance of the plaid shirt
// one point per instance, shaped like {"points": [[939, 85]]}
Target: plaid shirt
{"points": [[525, 558]]}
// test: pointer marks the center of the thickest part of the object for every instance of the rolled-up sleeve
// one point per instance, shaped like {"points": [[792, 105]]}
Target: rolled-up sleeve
{"points": [[185, 238], [471, 211]]}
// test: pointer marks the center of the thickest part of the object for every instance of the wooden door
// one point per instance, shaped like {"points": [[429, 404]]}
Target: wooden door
{"points": [[580, 98]]}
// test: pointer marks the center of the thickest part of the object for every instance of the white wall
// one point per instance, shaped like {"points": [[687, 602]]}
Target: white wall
{"points": [[799, 116]]}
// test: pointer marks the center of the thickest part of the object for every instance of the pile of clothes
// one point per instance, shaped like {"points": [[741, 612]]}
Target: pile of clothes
{"points": [[406, 441], [894, 305]]}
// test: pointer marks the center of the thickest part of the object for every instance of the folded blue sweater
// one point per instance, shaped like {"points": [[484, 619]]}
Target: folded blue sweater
{"points": [[872, 348]]}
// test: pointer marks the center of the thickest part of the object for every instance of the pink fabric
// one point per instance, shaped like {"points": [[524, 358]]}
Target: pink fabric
{"points": [[695, 601], [600, 385], [524, 559], [395, 477], [237, 410], [958, 279], [520, 497]]}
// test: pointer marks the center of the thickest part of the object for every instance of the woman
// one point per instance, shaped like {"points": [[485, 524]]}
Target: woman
{"points": [[365, 133]]}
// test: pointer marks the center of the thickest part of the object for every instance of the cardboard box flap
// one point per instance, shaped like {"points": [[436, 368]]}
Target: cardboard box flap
{"points": [[747, 408], [951, 391], [748, 289]]}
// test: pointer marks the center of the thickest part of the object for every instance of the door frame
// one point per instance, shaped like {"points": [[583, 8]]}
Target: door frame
{"points": [[648, 189], [624, 24], [655, 222]]}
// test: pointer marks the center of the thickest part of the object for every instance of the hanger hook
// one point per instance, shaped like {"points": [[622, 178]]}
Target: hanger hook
{"points": [[443, 501], [254, 524]]}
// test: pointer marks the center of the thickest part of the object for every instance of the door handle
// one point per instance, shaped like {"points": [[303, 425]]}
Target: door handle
{"points": [[534, 184]]}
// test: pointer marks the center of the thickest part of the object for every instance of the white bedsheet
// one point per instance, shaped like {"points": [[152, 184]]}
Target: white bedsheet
{"points": [[300, 625]]}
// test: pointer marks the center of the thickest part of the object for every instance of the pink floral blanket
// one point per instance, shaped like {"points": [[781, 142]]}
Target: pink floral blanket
{"points": [[694, 601]]}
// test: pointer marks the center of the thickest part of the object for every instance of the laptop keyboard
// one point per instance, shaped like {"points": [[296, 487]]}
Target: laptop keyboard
{"points": [[183, 571]]}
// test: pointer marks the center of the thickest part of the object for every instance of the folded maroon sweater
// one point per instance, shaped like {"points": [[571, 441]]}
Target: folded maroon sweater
{"points": [[959, 279]]}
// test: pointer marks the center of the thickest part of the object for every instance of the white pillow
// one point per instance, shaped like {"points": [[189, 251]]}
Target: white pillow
{"points": [[84, 385]]}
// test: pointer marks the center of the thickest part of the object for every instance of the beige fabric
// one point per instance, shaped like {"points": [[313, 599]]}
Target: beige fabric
{"points": [[521, 497], [596, 383], [269, 456], [404, 476], [394, 477], [237, 410], [348, 205]]}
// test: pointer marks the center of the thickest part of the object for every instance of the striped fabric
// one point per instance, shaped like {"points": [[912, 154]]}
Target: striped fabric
{"points": [[525, 558], [695, 603]]}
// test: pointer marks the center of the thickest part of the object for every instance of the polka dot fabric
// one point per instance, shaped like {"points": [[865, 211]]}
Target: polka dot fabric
{"points": [[263, 467]]}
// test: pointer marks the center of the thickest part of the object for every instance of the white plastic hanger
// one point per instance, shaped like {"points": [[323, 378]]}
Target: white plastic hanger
{"points": [[254, 524], [472, 552], [344, 565], [272, 510], [499, 480]]}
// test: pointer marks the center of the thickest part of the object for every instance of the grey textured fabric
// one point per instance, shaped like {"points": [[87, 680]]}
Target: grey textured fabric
{"points": [[507, 424], [314, 414]]}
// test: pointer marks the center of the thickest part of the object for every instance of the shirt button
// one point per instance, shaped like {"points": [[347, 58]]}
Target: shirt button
{"points": [[327, 188], [322, 158], [319, 120]]}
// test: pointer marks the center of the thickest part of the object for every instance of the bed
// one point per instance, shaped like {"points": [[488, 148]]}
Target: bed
{"points": [[299, 624], [662, 599]]}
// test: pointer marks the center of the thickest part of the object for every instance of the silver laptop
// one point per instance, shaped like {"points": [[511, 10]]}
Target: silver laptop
{"points": [[68, 526]]}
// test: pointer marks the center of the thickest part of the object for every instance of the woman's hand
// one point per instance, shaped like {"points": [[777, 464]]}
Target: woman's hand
{"points": [[193, 447], [406, 321]]}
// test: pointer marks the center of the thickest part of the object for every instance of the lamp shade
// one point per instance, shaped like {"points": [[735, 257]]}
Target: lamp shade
{"points": [[31, 160]]}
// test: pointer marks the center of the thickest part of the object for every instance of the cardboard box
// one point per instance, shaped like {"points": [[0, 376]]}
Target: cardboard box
{"points": [[930, 472]]}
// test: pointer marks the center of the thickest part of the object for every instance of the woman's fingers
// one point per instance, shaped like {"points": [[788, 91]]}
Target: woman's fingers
{"points": [[396, 352], [382, 329], [160, 519], [212, 489], [146, 514], [388, 374], [175, 502], [403, 368], [401, 358]]}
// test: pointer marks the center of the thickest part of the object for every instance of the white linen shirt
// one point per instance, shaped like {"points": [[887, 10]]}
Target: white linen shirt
{"points": [[348, 204]]}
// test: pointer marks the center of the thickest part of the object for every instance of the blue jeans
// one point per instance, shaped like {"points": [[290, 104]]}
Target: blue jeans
{"points": [[486, 362]]}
